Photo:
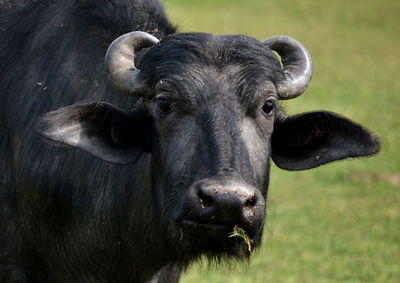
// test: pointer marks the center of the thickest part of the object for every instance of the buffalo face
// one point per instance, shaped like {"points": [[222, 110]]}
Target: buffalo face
{"points": [[208, 114], [213, 107]]}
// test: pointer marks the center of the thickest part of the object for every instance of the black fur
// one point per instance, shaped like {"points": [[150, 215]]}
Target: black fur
{"points": [[51, 55], [67, 216]]}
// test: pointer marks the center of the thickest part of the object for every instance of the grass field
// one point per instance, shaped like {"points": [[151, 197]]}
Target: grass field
{"points": [[339, 222]]}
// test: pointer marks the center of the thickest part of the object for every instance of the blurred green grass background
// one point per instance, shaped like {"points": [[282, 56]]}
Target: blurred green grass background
{"points": [[339, 222]]}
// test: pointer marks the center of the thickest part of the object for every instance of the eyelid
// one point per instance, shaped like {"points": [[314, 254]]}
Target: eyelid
{"points": [[161, 95], [164, 96], [271, 96], [164, 92], [171, 100]]}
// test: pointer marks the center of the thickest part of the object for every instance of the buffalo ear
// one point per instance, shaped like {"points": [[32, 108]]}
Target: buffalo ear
{"points": [[102, 129], [311, 139]]}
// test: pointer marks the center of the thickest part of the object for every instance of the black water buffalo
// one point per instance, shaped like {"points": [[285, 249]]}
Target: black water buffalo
{"points": [[139, 186]]}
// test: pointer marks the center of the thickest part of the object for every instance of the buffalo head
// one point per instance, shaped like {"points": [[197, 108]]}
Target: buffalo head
{"points": [[208, 114]]}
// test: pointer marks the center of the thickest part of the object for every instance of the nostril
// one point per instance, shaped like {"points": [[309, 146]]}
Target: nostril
{"points": [[205, 200], [251, 202]]}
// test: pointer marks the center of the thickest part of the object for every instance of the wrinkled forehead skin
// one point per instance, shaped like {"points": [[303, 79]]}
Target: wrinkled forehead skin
{"points": [[224, 62]]}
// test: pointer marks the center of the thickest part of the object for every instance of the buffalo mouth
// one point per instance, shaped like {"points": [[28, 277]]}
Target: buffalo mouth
{"points": [[213, 228], [216, 239], [210, 228]]}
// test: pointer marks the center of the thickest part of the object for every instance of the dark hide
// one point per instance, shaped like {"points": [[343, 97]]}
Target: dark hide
{"points": [[321, 137], [59, 206], [130, 206]]}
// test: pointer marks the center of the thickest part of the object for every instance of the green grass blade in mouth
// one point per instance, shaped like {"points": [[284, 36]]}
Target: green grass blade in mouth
{"points": [[240, 233]]}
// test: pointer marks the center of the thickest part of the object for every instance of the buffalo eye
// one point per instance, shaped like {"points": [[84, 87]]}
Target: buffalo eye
{"points": [[269, 107], [164, 105]]}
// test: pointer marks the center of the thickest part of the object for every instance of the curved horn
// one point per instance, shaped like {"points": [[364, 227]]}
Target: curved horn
{"points": [[120, 61], [297, 65]]}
